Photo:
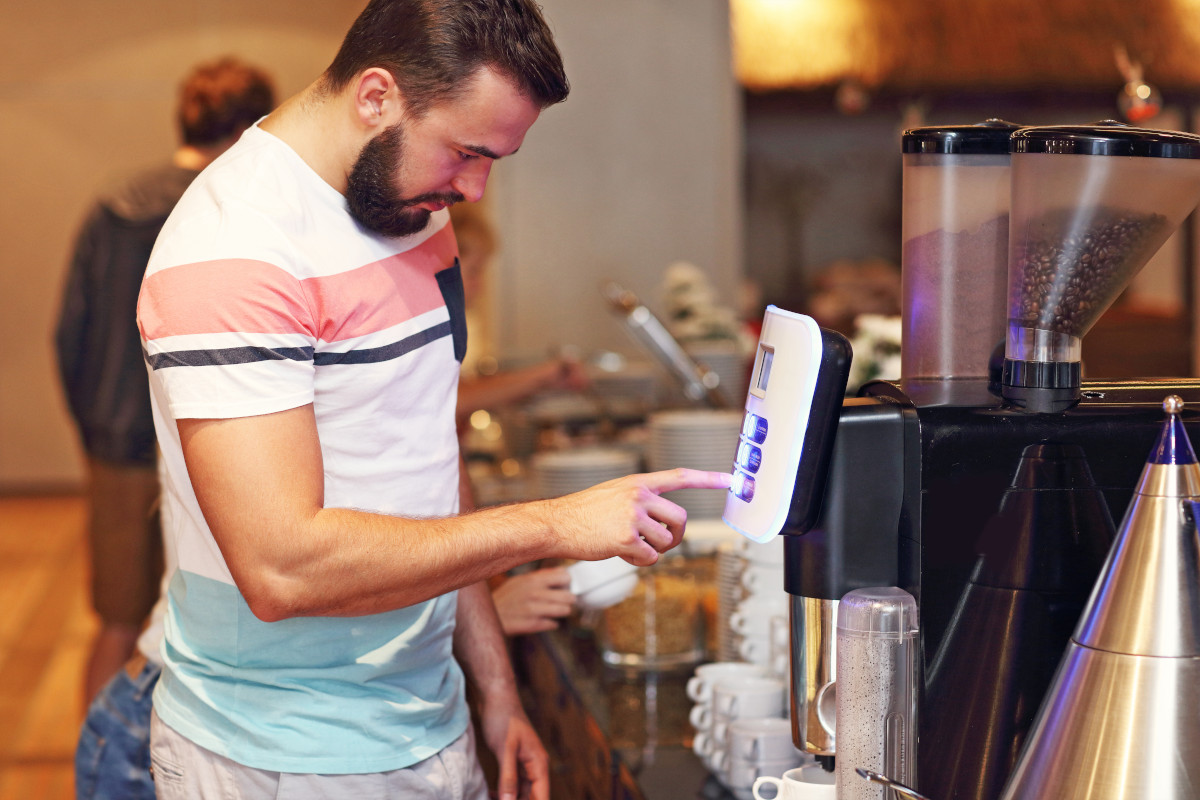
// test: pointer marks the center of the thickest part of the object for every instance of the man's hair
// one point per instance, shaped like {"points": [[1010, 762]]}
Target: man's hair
{"points": [[432, 47], [221, 99]]}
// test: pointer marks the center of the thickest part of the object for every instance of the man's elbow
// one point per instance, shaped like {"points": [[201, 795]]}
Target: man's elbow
{"points": [[270, 599]]}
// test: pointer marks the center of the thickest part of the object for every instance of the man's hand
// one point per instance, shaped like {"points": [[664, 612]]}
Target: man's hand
{"points": [[627, 516]]}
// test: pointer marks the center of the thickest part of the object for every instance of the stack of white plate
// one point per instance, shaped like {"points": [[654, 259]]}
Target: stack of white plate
{"points": [[556, 408], [633, 382], [698, 438], [565, 471], [731, 364]]}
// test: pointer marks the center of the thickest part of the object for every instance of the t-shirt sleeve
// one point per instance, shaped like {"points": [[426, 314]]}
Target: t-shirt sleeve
{"points": [[227, 337]]}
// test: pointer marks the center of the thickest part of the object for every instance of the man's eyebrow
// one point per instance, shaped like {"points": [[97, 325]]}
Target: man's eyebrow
{"points": [[486, 152]]}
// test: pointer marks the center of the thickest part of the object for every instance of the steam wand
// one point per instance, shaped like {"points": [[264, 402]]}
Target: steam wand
{"points": [[898, 788], [700, 384]]}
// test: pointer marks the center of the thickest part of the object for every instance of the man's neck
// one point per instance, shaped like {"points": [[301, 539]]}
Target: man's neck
{"points": [[319, 127]]}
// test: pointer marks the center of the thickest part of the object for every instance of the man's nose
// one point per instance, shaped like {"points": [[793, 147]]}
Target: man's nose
{"points": [[471, 182]]}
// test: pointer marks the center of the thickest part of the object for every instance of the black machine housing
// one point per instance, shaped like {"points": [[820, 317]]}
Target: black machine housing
{"points": [[997, 520]]}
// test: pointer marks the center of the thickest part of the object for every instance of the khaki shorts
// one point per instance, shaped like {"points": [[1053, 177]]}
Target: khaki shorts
{"points": [[126, 541], [184, 770]]}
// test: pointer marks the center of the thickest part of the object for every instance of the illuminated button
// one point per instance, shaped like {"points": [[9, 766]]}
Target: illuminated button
{"points": [[749, 457], [754, 428], [743, 486]]}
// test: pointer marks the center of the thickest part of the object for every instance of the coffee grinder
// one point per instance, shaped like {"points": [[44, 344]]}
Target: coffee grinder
{"points": [[985, 486]]}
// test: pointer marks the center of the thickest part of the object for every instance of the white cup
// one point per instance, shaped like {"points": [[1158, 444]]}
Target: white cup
{"points": [[762, 739], [750, 619], [780, 650], [741, 774], [763, 607], [781, 665], [703, 745], [718, 760], [809, 782], [781, 631], [601, 584], [701, 717], [700, 685], [756, 649], [762, 578], [741, 698], [770, 553], [714, 761], [720, 734]]}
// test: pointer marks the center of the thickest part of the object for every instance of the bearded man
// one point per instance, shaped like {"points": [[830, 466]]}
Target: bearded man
{"points": [[302, 317]]}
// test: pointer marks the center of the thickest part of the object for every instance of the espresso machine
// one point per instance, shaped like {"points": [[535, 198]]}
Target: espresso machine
{"points": [[985, 481]]}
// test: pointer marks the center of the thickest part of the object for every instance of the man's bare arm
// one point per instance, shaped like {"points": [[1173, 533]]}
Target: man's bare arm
{"points": [[260, 484]]}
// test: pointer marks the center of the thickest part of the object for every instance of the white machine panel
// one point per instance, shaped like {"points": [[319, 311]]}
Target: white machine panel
{"points": [[779, 407]]}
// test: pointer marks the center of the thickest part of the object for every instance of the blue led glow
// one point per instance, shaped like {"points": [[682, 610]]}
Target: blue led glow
{"points": [[749, 457], [754, 428]]}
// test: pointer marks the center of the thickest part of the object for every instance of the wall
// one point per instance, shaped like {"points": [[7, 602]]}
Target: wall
{"points": [[637, 169], [87, 94]]}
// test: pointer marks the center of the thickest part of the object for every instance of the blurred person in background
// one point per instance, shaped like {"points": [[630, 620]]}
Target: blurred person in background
{"points": [[483, 385], [104, 375], [100, 358]]}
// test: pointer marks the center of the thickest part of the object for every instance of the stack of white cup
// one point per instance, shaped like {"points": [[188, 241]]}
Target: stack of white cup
{"points": [[740, 717], [759, 620], [757, 748]]}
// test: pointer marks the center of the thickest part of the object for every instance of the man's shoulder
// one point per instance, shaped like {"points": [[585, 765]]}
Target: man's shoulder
{"points": [[249, 206]]}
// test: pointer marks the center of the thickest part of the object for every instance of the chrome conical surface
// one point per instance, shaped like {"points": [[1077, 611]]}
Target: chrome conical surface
{"points": [[1120, 720], [1145, 602]]}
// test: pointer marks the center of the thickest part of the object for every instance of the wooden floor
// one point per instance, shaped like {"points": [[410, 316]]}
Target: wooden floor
{"points": [[46, 626]]}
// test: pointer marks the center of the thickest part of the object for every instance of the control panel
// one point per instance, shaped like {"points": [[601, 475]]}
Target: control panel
{"points": [[792, 406]]}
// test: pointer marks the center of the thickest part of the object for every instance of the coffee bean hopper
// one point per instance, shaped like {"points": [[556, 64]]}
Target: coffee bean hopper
{"points": [[1091, 205], [983, 484]]}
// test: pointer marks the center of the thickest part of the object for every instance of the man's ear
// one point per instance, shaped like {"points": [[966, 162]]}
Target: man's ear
{"points": [[377, 98]]}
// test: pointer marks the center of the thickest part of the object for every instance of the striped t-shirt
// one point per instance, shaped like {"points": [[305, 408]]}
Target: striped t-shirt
{"points": [[263, 295]]}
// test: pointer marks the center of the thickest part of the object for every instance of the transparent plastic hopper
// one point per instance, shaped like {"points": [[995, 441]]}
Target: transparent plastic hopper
{"points": [[1090, 205], [956, 205]]}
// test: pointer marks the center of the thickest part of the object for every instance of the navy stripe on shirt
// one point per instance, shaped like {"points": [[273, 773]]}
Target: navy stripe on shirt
{"points": [[245, 355]]}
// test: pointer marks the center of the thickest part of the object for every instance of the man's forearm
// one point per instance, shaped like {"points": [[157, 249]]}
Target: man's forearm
{"points": [[260, 484], [355, 563]]}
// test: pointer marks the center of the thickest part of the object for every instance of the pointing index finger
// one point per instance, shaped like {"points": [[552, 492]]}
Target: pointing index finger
{"points": [[684, 478]]}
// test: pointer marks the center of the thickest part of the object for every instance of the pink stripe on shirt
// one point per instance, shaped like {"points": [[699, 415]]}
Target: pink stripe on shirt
{"points": [[244, 295], [350, 304]]}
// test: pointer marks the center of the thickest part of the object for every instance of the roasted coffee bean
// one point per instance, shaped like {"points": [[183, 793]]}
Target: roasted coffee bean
{"points": [[1068, 277]]}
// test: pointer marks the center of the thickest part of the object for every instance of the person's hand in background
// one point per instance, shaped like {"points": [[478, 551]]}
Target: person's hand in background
{"points": [[531, 602]]}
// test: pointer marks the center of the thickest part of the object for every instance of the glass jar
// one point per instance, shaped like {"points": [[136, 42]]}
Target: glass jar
{"points": [[660, 625]]}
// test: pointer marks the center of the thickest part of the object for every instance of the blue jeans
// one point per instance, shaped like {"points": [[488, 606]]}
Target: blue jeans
{"points": [[112, 759]]}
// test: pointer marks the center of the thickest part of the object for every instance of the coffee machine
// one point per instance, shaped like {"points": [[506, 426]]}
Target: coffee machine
{"points": [[985, 481]]}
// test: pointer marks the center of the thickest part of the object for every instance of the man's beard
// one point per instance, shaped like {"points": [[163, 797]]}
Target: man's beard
{"points": [[371, 191]]}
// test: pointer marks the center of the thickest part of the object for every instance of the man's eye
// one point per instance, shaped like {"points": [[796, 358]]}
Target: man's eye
{"points": [[467, 155]]}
